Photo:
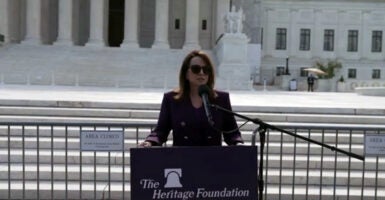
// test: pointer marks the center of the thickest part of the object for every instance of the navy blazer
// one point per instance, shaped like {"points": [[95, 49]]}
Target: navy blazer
{"points": [[189, 125]]}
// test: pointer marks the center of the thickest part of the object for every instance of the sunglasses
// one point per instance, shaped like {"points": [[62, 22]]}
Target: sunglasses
{"points": [[196, 69]]}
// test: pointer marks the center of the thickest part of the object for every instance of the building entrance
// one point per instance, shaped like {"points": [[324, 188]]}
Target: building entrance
{"points": [[116, 23]]}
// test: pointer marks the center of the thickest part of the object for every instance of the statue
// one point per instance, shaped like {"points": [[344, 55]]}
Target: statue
{"points": [[233, 21]]}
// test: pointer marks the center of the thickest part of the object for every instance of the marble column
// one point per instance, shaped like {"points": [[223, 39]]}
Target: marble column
{"points": [[98, 23], [192, 25], [65, 23], [33, 22], [130, 24], [4, 20], [161, 25], [223, 7]]}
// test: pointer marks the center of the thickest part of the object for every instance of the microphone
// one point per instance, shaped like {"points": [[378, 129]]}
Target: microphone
{"points": [[203, 93]]}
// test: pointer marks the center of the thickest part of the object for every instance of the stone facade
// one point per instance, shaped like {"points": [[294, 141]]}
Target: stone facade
{"points": [[318, 16], [145, 23], [174, 25]]}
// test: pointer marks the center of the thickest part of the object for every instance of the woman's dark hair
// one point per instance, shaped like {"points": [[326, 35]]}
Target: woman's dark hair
{"points": [[184, 85]]}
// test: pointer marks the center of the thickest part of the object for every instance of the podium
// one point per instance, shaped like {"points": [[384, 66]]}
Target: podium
{"points": [[212, 172]]}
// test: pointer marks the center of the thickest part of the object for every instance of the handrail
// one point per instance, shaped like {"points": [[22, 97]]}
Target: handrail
{"points": [[152, 124]]}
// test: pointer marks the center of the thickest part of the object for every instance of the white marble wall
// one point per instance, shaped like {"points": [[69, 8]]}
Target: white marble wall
{"points": [[317, 16]]}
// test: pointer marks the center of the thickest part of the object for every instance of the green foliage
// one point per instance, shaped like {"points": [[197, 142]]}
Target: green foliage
{"points": [[328, 67]]}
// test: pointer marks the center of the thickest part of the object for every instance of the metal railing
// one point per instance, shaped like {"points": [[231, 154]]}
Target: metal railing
{"points": [[44, 161], [308, 171]]}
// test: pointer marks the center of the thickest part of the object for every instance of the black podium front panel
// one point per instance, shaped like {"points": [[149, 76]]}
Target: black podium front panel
{"points": [[194, 173]]}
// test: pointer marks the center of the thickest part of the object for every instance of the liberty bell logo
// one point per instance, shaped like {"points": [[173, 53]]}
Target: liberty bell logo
{"points": [[173, 178]]}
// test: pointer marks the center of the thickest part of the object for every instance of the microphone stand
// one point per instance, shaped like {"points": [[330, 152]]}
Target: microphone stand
{"points": [[262, 134]]}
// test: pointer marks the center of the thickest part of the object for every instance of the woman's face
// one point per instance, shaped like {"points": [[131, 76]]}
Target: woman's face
{"points": [[198, 72]]}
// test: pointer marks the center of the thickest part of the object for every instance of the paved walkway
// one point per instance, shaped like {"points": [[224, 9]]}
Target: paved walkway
{"points": [[256, 98]]}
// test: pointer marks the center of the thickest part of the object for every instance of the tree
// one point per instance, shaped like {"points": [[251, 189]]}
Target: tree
{"points": [[329, 68]]}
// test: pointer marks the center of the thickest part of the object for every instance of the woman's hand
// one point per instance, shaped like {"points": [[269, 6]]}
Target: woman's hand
{"points": [[239, 144], [145, 144]]}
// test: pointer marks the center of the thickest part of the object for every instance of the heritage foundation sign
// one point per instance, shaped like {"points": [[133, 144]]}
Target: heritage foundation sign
{"points": [[194, 173]]}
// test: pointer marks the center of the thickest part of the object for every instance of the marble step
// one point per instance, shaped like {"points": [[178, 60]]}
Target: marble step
{"points": [[20, 119], [15, 123], [328, 136], [62, 157], [17, 112], [312, 192], [30, 144], [114, 173], [79, 66], [131, 130], [300, 192], [79, 112], [285, 160], [328, 177], [140, 131], [61, 172], [59, 190]]}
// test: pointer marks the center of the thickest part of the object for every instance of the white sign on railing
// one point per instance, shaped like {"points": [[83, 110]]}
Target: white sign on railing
{"points": [[374, 144], [101, 141]]}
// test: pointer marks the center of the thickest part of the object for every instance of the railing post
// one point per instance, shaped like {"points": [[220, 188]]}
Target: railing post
{"points": [[9, 161], [37, 162]]}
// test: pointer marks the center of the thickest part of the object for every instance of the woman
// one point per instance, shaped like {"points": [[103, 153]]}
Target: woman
{"points": [[182, 110]]}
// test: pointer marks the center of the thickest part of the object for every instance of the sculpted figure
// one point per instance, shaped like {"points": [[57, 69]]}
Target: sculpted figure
{"points": [[233, 21]]}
